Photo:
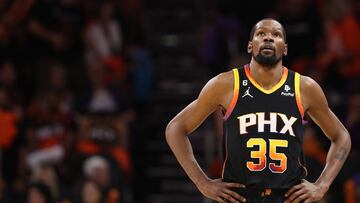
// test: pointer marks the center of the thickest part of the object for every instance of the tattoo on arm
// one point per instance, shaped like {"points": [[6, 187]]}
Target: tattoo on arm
{"points": [[340, 155]]}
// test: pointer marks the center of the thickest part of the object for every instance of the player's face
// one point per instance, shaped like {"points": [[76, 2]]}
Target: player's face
{"points": [[268, 44]]}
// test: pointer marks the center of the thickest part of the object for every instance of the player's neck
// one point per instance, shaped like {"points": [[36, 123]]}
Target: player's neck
{"points": [[267, 77]]}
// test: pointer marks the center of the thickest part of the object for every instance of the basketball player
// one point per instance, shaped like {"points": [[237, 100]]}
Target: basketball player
{"points": [[264, 105]]}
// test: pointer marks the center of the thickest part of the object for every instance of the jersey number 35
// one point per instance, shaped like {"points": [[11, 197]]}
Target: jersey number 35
{"points": [[261, 155]]}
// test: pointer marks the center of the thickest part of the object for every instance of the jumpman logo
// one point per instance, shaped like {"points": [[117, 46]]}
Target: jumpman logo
{"points": [[247, 93]]}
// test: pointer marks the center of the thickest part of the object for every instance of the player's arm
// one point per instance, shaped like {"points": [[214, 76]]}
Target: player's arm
{"points": [[217, 92], [316, 106]]}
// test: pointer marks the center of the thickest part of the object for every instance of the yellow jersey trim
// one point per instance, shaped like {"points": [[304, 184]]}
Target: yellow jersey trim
{"points": [[235, 94], [273, 89]]}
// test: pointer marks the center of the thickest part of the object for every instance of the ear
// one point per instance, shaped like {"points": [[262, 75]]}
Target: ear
{"points": [[249, 48], [285, 50]]}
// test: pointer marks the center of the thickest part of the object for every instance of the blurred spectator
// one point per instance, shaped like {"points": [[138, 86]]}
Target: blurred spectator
{"points": [[105, 133], [103, 39], [10, 119], [102, 98], [46, 174], [48, 128], [103, 125], [57, 80], [98, 170], [38, 193], [91, 193], [102, 95], [49, 121]]}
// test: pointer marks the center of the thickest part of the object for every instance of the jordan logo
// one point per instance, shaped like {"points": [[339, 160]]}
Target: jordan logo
{"points": [[247, 93]]}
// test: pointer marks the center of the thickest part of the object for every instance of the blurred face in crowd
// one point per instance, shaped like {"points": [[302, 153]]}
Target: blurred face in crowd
{"points": [[35, 196], [101, 176], [90, 193], [47, 175], [267, 45]]}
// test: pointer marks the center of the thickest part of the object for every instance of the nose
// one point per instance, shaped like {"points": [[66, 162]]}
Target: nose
{"points": [[268, 38]]}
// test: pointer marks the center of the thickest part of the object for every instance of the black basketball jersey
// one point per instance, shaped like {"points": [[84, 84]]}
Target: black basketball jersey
{"points": [[263, 132]]}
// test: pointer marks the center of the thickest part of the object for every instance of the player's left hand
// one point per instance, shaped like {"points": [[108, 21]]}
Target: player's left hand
{"points": [[305, 192]]}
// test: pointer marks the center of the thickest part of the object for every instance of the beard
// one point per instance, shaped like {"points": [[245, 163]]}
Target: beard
{"points": [[267, 61]]}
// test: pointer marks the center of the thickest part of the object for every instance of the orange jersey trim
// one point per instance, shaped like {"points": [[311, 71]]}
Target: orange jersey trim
{"points": [[235, 95], [297, 95], [273, 89]]}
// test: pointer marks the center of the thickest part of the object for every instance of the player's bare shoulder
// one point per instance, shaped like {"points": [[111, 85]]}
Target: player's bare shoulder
{"points": [[223, 87], [310, 91], [224, 81]]}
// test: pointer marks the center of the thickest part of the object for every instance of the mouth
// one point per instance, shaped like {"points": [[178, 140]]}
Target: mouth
{"points": [[267, 48]]}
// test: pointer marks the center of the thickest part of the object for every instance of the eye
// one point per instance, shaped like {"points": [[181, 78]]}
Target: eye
{"points": [[276, 34], [261, 33]]}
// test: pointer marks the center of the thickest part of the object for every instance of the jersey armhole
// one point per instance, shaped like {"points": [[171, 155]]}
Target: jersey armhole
{"points": [[235, 94], [298, 96]]}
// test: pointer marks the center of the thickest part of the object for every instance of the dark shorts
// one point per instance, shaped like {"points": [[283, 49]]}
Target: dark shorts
{"points": [[262, 195]]}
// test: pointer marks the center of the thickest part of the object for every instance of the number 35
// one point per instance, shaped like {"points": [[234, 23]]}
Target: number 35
{"points": [[261, 155]]}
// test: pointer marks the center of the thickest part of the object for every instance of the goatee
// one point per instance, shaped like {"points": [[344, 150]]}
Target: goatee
{"points": [[267, 61]]}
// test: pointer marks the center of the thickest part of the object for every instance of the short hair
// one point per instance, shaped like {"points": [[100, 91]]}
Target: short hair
{"points": [[252, 32]]}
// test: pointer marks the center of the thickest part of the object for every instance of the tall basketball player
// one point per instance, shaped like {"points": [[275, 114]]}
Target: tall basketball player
{"points": [[264, 105]]}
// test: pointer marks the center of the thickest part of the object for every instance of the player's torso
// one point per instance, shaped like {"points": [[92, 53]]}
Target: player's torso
{"points": [[263, 134]]}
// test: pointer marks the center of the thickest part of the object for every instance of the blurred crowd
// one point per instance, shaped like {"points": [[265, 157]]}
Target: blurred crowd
{"points": [[76, 75]]}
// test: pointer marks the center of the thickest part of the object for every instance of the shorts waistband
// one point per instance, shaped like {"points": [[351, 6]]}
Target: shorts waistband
{"points": [[260, 192]]}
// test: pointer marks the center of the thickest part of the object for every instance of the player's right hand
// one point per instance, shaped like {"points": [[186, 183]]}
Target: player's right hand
{"points": [[221, 191]]}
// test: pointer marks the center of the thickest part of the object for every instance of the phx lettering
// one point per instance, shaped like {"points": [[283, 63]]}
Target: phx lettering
{"points": [[258, 119]]}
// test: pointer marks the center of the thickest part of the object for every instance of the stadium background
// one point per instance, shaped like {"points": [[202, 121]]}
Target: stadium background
{"points": [[88, 86]]}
